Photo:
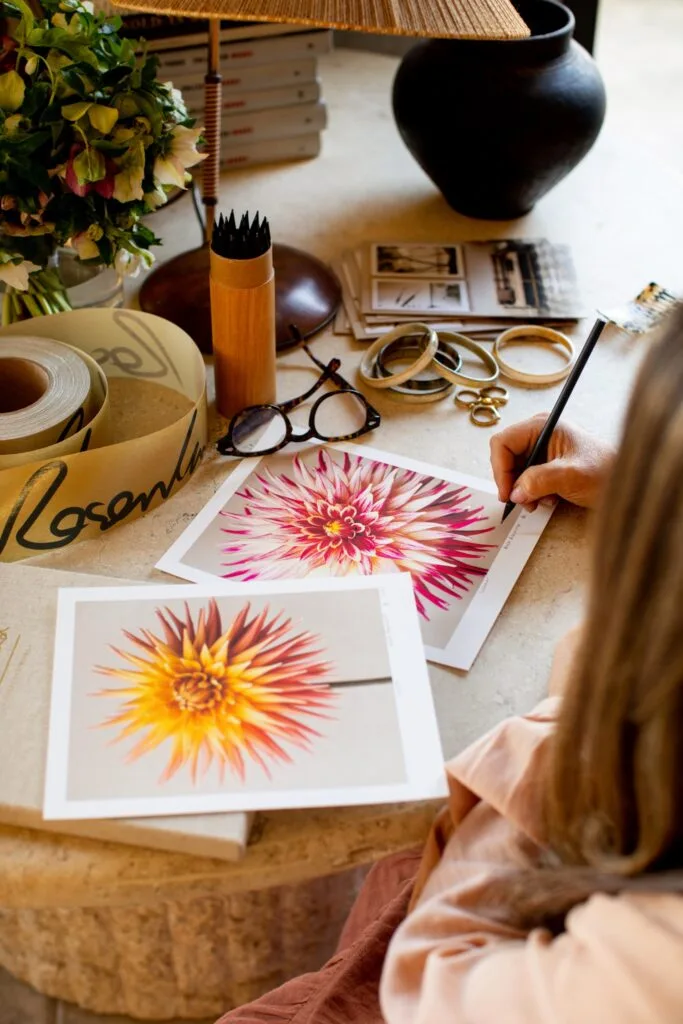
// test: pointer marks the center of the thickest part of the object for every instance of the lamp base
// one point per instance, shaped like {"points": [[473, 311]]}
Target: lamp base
{"points": [[307, 293]]}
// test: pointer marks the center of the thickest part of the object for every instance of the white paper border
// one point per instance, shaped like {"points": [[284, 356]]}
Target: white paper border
{"points": [[415, 709], [486, 605]]}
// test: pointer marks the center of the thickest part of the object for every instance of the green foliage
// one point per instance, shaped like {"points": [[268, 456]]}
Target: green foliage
{"points": [[84, 127]]}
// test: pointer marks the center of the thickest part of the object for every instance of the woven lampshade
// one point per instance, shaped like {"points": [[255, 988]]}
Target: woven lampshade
{"points": [[457, 19]]}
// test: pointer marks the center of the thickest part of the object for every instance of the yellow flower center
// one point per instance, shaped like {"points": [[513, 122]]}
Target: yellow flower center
{"points": [[198, 691], [334, 528]]}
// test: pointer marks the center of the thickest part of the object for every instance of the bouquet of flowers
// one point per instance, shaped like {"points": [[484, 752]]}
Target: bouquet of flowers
{"points": [[90, 142]]}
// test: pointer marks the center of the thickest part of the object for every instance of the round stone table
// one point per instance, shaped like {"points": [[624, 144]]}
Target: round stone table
{"points": [[119, 929]]}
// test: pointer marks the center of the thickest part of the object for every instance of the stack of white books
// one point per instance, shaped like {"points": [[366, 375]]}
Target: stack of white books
{"points": [[272, 105]]}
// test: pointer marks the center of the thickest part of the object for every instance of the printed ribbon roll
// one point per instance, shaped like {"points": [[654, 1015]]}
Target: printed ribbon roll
{"points": [[50, 395], [64, 476]]}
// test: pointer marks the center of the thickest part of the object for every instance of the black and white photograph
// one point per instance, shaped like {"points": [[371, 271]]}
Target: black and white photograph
{"points": [[522, 279], [422, 297], [414, 260], [507, 279]]}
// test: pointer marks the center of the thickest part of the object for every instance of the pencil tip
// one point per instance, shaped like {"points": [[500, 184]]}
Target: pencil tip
{"points": [[247, 240]]}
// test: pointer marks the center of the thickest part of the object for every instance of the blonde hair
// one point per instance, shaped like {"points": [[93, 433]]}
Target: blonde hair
{"points": [[614, 788], [615, 785]]}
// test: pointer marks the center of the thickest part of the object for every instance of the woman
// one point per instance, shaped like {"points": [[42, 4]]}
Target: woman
{"points": [[551, 889]]}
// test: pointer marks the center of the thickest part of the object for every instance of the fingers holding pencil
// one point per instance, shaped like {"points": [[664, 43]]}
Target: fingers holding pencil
{"points": [[539, 453], [576, 466]]}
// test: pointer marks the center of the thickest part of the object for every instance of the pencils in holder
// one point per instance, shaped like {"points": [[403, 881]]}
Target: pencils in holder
{"points": [[540, 450], [242, 287]]}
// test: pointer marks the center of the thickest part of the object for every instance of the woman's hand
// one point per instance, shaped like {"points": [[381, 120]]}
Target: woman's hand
{"points": [[576, 468]]}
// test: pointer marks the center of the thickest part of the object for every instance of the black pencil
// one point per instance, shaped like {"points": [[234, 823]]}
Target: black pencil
{"points": [[244, 242], [540, 450]]}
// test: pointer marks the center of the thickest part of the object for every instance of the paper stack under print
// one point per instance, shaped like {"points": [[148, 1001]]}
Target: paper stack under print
{"points": [[351, 511], [218, 697]]}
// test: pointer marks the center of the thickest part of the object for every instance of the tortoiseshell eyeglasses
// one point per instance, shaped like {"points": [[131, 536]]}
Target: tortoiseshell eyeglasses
{"points": [[337, 415]]}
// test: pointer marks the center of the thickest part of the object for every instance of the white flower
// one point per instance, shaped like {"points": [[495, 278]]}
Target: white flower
{"points": [[77, 5], [84, 246], [182, 153], [15, 275], [129, 264], [128, 185], [174, 93], [177, 99], [167, 172], [156, 198], [184, 147], [126, 264]]}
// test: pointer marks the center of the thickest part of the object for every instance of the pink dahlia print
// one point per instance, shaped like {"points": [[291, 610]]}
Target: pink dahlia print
{"points": [[347, 514]]}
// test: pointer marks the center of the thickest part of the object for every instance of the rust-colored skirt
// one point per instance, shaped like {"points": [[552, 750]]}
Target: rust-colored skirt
{"points": [[346, 989]]}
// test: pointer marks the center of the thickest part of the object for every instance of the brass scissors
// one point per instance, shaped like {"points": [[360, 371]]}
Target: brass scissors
{"points": [[482, 403]]}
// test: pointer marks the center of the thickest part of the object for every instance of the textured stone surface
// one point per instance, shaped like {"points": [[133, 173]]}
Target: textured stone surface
{"points": [[21, 1004], [188, 959]]}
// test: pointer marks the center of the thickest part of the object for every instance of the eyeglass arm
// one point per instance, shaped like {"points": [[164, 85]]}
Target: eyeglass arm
{"points": [[328, 373]]}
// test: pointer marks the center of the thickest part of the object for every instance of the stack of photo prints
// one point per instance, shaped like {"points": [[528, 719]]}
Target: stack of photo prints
{"points": [[290, 671], [476, 287]]}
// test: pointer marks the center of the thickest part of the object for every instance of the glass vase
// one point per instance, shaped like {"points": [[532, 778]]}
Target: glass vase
{"points": [[65, 283], [86, 285]]}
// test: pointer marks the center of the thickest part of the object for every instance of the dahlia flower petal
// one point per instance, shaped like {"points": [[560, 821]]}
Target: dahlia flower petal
{"points": [[219, 696], [343, 514]]}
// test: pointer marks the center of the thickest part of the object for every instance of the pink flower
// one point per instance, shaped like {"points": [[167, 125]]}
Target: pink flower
{"points": [[104, 187], [348, 514]]}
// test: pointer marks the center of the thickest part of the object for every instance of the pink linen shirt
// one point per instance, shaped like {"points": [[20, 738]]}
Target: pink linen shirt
{"points": [[619, 961]]}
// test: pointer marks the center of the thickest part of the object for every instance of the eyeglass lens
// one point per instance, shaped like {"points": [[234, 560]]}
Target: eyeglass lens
{"points": [[257, 429], [338, 415]]}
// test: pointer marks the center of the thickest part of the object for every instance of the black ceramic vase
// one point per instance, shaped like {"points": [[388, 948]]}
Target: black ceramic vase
{"points": [[496, 124]]}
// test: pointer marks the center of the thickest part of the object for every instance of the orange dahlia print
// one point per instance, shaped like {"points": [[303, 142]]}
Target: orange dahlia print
{"points": [[219, 694]]}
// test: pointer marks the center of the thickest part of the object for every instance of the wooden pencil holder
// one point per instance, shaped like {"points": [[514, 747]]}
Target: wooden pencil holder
{"points": [[243, 329]]}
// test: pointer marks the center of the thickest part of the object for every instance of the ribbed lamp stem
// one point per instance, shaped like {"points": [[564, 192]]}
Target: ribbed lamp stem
{"points": [[212, 128]]}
